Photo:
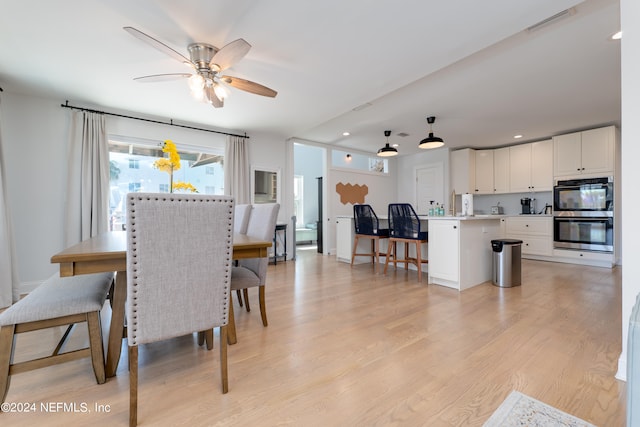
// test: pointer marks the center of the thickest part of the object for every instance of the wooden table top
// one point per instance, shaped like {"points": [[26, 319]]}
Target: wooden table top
{"points": [[108, 252]]}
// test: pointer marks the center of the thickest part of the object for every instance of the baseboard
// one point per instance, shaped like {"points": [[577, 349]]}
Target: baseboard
{"points": [[26, 287]]}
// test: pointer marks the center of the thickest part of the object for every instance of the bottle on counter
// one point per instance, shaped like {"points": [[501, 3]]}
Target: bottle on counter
{"points": [[431, 210]]}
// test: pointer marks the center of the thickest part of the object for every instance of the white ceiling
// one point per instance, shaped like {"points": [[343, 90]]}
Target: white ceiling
{"points": [[470, 63]]}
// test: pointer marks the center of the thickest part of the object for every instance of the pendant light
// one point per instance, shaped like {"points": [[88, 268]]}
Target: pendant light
{"points": [[431, 141], [387, 150]]}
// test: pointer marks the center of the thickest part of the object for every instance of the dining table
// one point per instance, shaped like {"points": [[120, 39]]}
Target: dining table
{"points": [[107, 252]]}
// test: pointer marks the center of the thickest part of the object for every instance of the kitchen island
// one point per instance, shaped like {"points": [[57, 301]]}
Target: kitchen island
{"points": [[460, 254], [459, 248]]}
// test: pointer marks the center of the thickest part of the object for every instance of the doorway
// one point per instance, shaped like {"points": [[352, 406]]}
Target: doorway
{"points": [[308, 165]]}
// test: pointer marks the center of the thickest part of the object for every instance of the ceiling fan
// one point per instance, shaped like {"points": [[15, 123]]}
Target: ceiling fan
{"points": [[207, 62]]}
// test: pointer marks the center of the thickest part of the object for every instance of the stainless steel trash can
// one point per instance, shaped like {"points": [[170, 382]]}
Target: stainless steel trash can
{"points": [[507, 270]]}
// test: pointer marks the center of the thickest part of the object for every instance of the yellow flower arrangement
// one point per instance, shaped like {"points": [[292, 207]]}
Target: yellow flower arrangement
{"points": [[185, 186], [171, 164]]}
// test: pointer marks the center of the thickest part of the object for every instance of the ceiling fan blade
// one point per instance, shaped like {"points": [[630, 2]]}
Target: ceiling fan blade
{"points": [[212, 98], [229, 55], [159, 45], [248, 86], [162, 77]]}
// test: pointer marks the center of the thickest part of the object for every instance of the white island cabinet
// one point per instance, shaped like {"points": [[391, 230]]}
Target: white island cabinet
{"points": [[460, 254]]}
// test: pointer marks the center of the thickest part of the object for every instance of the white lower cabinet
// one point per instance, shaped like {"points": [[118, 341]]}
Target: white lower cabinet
{"points": [[598, 259], [443, 263], [460, 254], [344, 239], [536, 234]]}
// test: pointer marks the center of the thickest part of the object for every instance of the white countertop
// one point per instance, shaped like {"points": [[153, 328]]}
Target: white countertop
{"points": [[461, 218]]}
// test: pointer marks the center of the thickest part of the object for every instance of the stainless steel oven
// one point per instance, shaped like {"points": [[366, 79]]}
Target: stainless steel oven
{"points": [[592, 233], [583, 195], [583, 214]]}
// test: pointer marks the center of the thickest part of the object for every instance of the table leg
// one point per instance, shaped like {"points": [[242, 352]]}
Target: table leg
{"points": [[117, 324], [231, 329]]}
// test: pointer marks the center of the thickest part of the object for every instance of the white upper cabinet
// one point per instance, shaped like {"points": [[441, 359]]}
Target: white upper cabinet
{"points": [[542, 165], [520, 170], [484, 172], [598, 152], [591, 152], [463, 171], [531, 167], [501, 169]]}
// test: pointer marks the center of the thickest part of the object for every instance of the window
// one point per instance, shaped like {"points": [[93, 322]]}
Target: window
{"points": [[359, 162], [298, 197], [131, 170]]}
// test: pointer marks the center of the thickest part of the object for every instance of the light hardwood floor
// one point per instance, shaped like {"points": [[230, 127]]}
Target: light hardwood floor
{"points": [[347, 347]]}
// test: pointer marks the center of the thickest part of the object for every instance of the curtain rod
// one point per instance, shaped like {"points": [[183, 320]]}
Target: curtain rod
{"points": [[66, 105]]}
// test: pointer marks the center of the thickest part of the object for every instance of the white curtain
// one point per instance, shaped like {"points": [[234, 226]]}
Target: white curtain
{"points": [[236, 169], [9, 282], [88, 179]]}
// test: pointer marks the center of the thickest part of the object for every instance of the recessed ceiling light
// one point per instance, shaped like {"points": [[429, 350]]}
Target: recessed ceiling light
{"points": [[517, 136], [345, 134], [616, 36], [395, 145]]}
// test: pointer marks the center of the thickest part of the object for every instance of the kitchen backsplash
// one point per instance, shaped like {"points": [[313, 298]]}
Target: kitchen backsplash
{"points": [[510, 202]]}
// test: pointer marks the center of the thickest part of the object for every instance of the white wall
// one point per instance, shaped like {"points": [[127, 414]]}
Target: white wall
{"points": [[630, 16], [34, 134], [407, 166], [381, 191], [271, 151]]}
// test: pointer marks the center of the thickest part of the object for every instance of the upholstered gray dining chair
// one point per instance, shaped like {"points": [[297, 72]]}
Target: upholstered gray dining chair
{"points": [[241, 218], [240, 224], [253, 272], [181, 246]]}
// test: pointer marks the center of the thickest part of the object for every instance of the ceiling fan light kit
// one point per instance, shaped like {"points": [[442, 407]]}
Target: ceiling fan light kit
{"points": [[387, 150], [207, 61], [431, 141]]}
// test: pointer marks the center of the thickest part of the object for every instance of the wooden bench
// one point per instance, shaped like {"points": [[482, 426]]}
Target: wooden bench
{"points": [[56, 302]]}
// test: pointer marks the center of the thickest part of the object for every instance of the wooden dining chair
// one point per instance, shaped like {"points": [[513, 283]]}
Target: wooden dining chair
{"points": [[367, 226], [179, 252], [253, 272], [404, 227]]}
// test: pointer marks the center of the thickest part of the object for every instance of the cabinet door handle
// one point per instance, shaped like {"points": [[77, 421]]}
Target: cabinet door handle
{"points": [[455, 226]]}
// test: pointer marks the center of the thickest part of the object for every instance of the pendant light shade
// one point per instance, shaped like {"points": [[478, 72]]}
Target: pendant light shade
{"points": [[387, 150], [431, 141]]}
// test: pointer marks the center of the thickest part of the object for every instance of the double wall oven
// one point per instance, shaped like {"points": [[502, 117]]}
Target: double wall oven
{"points": [[583, 214]]}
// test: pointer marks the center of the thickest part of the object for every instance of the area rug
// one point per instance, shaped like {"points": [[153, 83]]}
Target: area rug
{"points": [[521, 410]]}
